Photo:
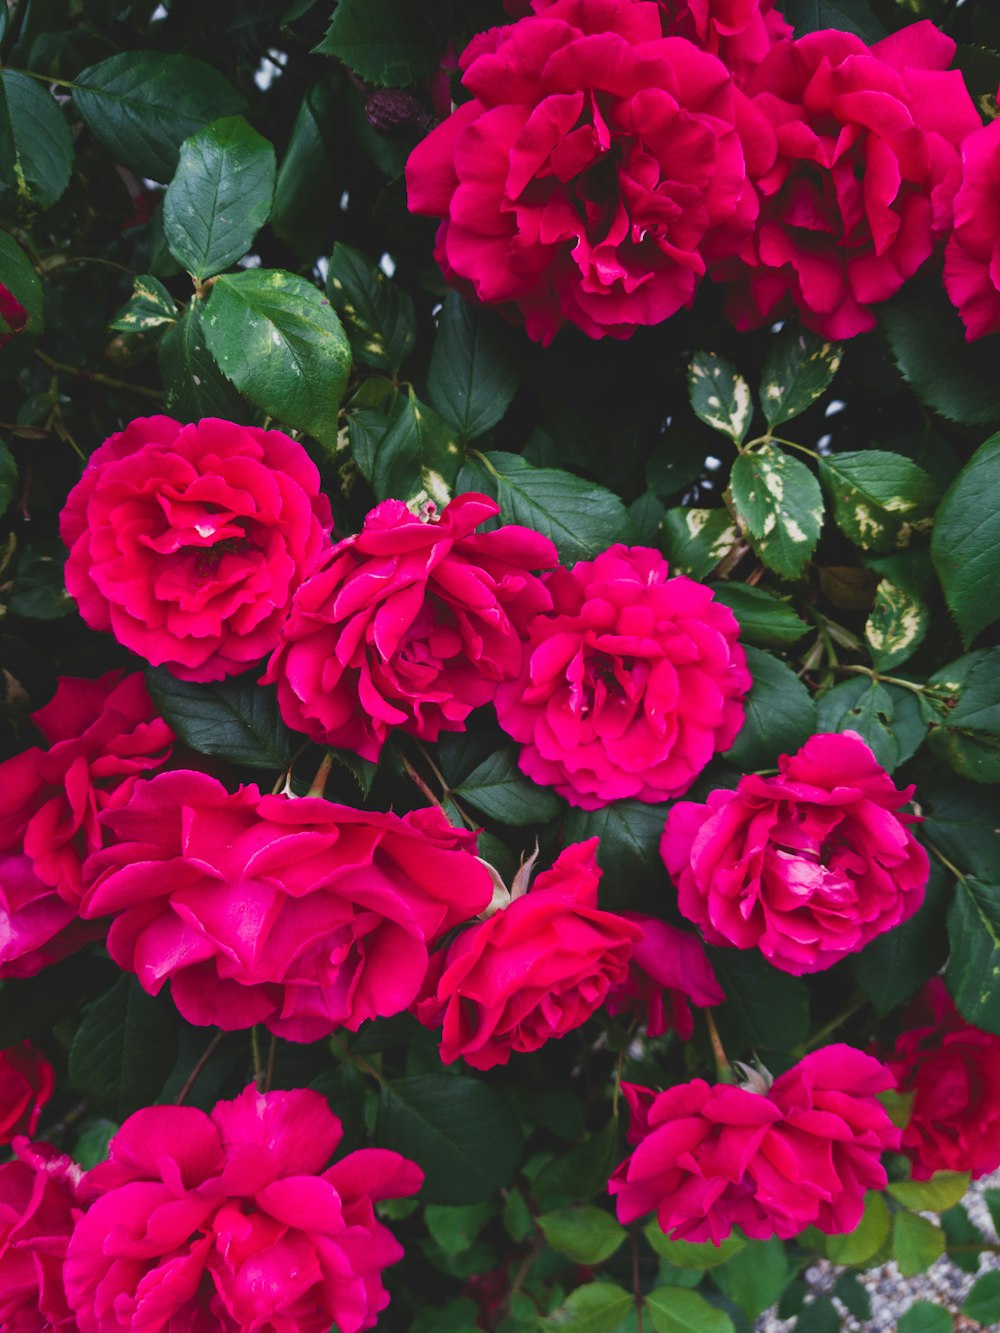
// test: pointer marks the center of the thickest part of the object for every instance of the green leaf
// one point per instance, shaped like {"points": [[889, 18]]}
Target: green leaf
{"points": [[961, 705], [280, 342], [966, 542], [925, 1317], [892, 967], [695, 540], [767, 1010], [305, 197], [581, 1172], [142, 105], [960, 1232], [676, 1310], [580, 517], [193, 385], [756, 1277], [862, 705], [378, 315], [517, 1218], [765, 619], [589, 1235], [20, 278], [960, 819], [220, 196], [992, 1198], [983, 1302], [500, 791], [848, 15], [780, 501], [456, 1229], [408, 453], [798, 368], [818, 1316], [459, 1130], [124, 1049], [780, 714], [32, 1006], [646, 513], [472, 378], [849, 1290], [383, 41], [896, 627], [148, 311], [973, 974], [8, 477], [628, 851], [720, 396], [867, 1238], [39, 591], [916, 1243], [91, 1146], [943, 1190], [879, 498], [598, 1307], [236, 719], [42, 141], [688, 1254]]}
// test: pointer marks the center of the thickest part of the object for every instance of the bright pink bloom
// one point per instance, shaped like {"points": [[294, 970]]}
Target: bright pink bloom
{"points": [[38, 1210], [296, 913], [668, 973], [630, 684], [861, 192], [187, 542], [808, 866], [713, 1157], [101, 734], [410, 623], [532, 971], [953, 1070], [13, 316], [596, 169], [234, 1221], [972, 256], [26, 1083]]}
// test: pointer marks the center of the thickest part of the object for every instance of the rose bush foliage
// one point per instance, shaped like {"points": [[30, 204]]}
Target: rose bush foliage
{"points": [[498, 678]]}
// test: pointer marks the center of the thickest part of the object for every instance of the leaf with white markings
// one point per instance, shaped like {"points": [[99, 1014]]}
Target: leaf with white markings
{"points": [[149, 310], [695, 540], [879, 498], [799, 367], [780, 502], [378, 315], [961, 705], [720, 396], [896, 626], [43, 145]]}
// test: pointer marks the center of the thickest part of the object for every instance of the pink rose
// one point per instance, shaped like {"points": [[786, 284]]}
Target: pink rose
{"points": [[26, 1083], [861, 192], [808, 866], [595, 170], [713, 1157], [534, 970], [953, 1070], [187, 542], [235, 1221], [630, 684], [972, 255], [668, 973], [296, 913], [38, 1210], [13, 316], [410, 623], [101, 734]]}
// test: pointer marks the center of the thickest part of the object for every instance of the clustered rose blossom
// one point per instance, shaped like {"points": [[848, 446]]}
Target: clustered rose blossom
{"points": [[297, 913], [630, 684], [808, 866], [595, 172], [235, 1221], [410, 623], [101, 734], [972, 256], [668, 973], [953, 1071], [26, 1083], [712, 1157], [38, 1210], [187, 542], [534, 970], [861, 190]]}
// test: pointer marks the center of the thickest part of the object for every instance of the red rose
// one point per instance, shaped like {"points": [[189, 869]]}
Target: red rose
{"points": [[296, 913], [411, 623], [710, 1158], [38, 1210], [534, 970], [630, 684], [101, 733], [972, 256], [26, 1083], [953, 1070], [13, 316], [808, 866], [187, 542], [234, 1221], [668, 973], [596, 168], [861, 191]]}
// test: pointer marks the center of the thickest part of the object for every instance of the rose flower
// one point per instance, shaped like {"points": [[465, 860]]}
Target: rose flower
{"points": [[668, 973], [972, 256], [26, 1083], [410, 623], [808, 866], [38, 1210], [299, 913], [187, 542], [630, 684], [596, 169], [235, 1221]]}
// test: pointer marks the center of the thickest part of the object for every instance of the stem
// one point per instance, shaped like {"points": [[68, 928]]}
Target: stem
{"points": [[446, 792], [777, 439], [347, 1055], [272, 1050], [96, 377], [887, 680], [825, 1031], [959, 875], [322, 773], [258, 1067], [43, 78], [192, 1078], [723, 1069]]}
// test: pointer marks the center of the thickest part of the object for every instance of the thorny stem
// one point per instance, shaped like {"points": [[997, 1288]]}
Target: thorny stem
{"points": [[258, 1066], [422, 786], [96, 377], [203, 1060], [825, 1031], [886, 680]]}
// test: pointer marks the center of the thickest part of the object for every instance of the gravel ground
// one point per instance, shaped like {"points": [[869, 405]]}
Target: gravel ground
{"points": [[944, 1284]]}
